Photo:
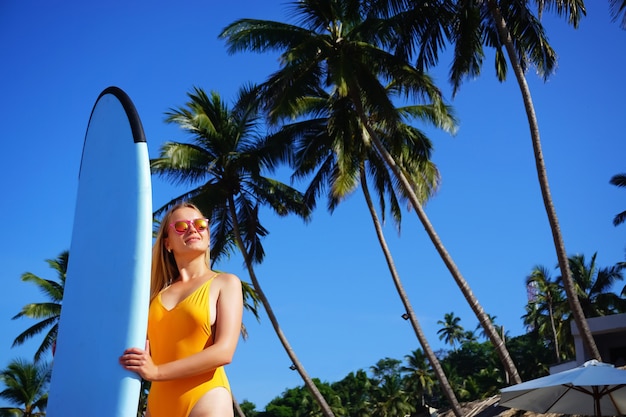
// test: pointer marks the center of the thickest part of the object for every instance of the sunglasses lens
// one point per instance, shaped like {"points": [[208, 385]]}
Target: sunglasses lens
{"points": [[181, 227], [200, 224]]}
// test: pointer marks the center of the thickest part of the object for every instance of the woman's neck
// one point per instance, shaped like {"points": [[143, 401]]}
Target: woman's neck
{"points": [[192, 269]]}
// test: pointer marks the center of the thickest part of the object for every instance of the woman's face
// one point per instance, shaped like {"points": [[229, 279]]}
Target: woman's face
{"points": [[187, 231]]}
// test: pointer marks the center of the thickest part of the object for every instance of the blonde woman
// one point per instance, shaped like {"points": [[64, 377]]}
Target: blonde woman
{"points": [[193, 323]]}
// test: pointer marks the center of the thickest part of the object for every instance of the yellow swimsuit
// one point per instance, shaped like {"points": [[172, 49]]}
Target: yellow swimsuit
{"points": [[178, 333]]}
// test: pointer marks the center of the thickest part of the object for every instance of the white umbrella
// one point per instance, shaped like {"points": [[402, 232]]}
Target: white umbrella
{"points": [[593, 389]]}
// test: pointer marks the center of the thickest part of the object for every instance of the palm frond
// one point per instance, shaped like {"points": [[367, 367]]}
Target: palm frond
{"points": [[618, 7], [619, 180], [467, 36]]}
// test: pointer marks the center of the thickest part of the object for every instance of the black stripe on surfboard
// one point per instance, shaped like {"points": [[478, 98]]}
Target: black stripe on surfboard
{"points": [[131, 112]]}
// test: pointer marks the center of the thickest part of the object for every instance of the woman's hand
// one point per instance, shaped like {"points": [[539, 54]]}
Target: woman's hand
{"points": [[140, 361]]}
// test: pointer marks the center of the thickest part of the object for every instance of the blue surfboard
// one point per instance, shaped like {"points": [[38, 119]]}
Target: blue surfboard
{"points": [[105, 302]]}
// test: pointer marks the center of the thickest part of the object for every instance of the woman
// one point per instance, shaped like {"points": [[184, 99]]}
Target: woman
{"points": [[193, 323]]}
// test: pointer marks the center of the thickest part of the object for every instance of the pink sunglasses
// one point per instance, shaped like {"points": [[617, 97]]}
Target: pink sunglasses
{"points": [[182, 226]]}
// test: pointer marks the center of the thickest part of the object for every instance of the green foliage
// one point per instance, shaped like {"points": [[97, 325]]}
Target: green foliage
{"points": [[248, 408], [48, 312], [354, 391], [531, 354], [298, 402], [452, 332], [26, 388], [548, 313], [274, 410]]}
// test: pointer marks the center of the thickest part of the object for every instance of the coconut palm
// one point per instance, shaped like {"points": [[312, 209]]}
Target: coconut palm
{"points": [[438, 370], [328, 53], [330, 146], [515, 32], [549, 311], [26, 387], [451, 331], [430, 354], [337, 51], [418, 376], [388, 395], [224, 164], [48, 312], [543, 312], [593, 286], [355, 391], [391, 399]]}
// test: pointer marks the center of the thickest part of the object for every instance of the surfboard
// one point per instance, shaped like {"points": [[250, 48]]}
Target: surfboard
{"points": [[106, 296]]}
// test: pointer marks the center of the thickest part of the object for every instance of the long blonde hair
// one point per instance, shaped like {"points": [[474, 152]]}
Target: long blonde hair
{"points": [[164, 268]]}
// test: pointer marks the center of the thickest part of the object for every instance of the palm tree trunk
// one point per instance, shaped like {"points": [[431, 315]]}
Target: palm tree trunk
{"points": [[568, 282], [238, 409], [557, 350], [434, 362], [317, 395], [483, 318]]}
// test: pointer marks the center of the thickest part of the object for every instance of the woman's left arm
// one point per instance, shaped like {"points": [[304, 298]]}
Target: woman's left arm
{"points": [[227, 330]]}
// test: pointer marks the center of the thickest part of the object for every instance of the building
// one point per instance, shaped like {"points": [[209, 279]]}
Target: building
{"points": [[609, 332]]}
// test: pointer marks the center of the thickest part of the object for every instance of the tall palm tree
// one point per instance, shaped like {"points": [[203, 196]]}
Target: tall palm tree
{"points": [[332, 141], [417, 328], [225, 164], [330, 145], [47, 312], [515, 32], [337, 49], [26, 386], [451, 331]]}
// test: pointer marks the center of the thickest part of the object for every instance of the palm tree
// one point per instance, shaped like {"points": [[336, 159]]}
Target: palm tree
{"points": [[593, 286], [389, 397], [452, 332], [619, 180], [330, 141], [514, 31], [549, 312], [26, 387], [547, 298], [392, 400], [337, 49], [355, 390], [446, 388], [418, 377], [434, 361], [225, 163], [47, 312]]}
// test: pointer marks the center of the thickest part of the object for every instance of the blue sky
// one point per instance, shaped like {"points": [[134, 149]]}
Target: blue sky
{"points": [[326, 280]]}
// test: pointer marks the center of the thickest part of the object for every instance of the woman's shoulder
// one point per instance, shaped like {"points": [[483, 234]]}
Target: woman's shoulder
{"points": [[226, 279]]}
